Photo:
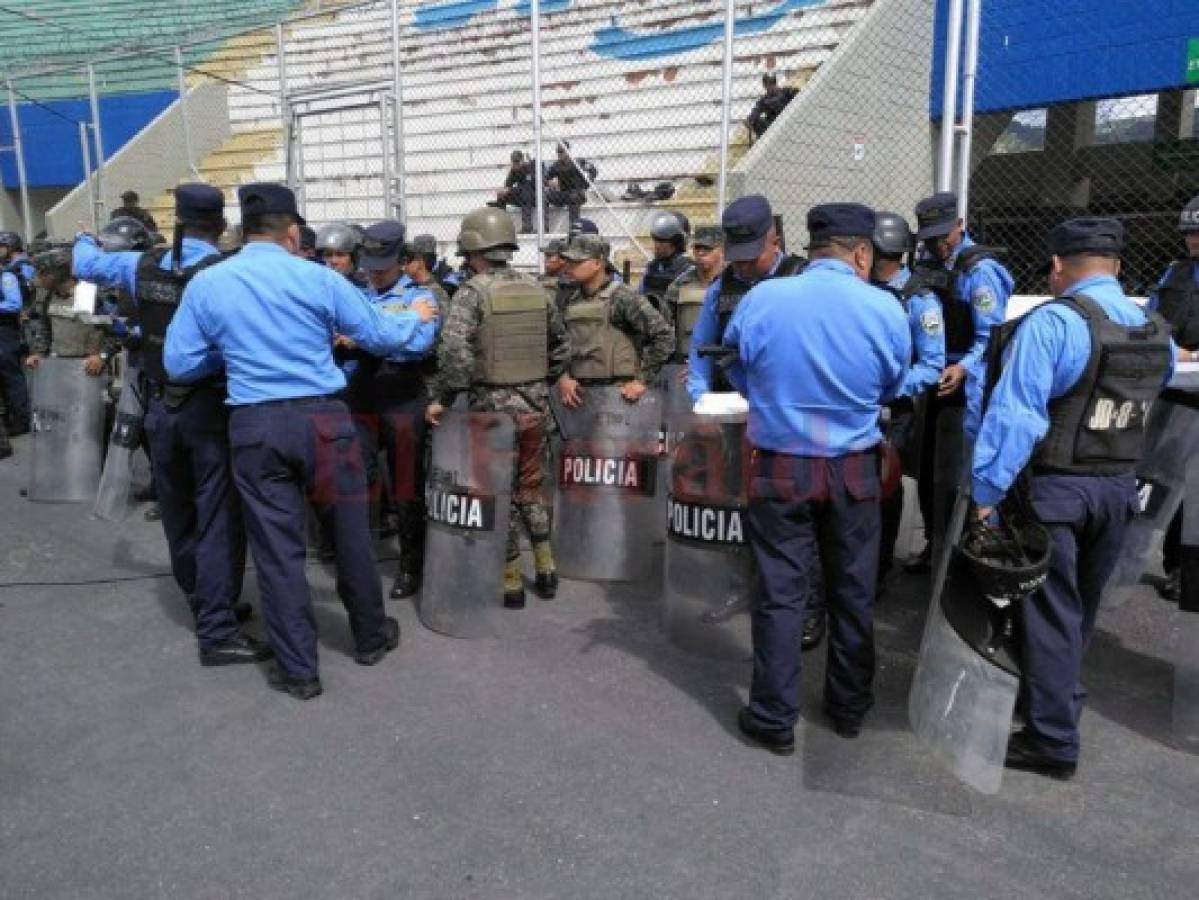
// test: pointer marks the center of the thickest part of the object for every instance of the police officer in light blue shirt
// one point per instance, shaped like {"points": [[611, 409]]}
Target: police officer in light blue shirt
{"points": [[817, 357], [269, 318], [401, 394], [752, 253], [16, 280], [1068, 389]]}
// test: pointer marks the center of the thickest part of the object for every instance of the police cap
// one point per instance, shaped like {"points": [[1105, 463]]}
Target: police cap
{"points": [[307, 237], [1188, 222], [554, 247], [1090, 236], [586, 246], [130, 198], [266, 198], [382, 246], [582, 226], [708, 236], [198, 202], [424, 245], [745, 224], [936, 215], [840, 220]]}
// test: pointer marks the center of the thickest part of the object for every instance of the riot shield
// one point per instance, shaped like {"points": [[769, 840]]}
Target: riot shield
{"points": [[948, 469], [468, 495], [68, 423], [1171, 437], [676, 408], [709, 567], [112, 498], [964, 690], [605, 509], [1186, 632]]}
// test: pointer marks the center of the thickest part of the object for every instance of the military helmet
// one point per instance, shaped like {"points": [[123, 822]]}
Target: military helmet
{"points": [[1188, 222], [338, 237], [424, 245], [11, 240], [669, 226], [1008, 561], [489, 231], [892, 236], [56, 261], [125, 233]]}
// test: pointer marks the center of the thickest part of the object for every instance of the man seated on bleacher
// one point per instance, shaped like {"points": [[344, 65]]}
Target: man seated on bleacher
{"points": [[769, 106], [519, 190], [567, 181]]}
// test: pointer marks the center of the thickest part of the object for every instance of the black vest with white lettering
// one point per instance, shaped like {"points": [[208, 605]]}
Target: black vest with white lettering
{"points": [[1178, 302], [1098, 426]]}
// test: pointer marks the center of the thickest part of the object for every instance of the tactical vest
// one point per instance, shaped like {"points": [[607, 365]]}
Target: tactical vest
{"points": [[514, 332], [1098, 427], [956, 311], [904, 302], [1178, 303], [599, 350], [159, 292], [660, 274], [686, 314], [68, 336]]}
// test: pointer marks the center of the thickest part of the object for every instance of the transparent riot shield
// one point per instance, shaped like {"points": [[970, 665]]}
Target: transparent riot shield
{"points": [[1171, 437], [605, 509], [676, 408], [468, 494], [964, 690], [709, 568], [948, 467], [68, 426], [112, 497], [1186, 631]]}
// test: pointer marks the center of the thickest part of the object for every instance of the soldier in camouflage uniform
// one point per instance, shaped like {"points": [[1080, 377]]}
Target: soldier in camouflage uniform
{"points": [[685, 296], [505, 363], [555, 266], [616, 335], [54, 326]]}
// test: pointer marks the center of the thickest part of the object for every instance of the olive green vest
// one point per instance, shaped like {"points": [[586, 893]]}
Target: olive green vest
{"points": [[690, 302], [514, 332], [69, 336], [599, 350]]}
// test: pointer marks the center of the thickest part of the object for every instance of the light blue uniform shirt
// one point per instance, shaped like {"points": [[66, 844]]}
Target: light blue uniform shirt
{"points": [[399, 298], [818, 355], [1045, 359], [119, 270], [700, 371], [11, 298], [270, 318], [927, 328]]}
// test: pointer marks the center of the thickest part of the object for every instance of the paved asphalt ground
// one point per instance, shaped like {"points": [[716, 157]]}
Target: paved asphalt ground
{"points": [[581, 757]]}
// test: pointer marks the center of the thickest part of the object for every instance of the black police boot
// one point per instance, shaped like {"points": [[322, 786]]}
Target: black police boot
{"points": [[546, 585], [243, 611], [776, 740], [391, 633], [241, 648], [1024, 754], [814, 627], [406, 585], [514, 599], [301, 690], [922, 562], [848, 727]]}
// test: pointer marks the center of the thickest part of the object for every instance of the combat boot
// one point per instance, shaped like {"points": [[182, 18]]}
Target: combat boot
{"points": [[514, 585], [546, 582]]}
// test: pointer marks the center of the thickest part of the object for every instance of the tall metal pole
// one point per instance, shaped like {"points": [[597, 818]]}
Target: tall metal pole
{"points": [[388, 210], [87, 175], [18, 147], [538, 173], [726, 100], [285, 110], [397, 90], [98, 136], [949, 102], [187, 131], [965, 131]]}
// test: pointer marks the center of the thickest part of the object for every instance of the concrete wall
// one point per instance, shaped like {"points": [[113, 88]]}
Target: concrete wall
{"points": [[859, 130], [156, 159]]}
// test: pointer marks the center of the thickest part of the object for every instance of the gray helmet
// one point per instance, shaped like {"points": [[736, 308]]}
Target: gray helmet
{"points": [[669, 226], [892, 236], [339, 237], [11, 240], [1188, 222], [489, 231], [424, 245], [124, 233], [56, 261]]}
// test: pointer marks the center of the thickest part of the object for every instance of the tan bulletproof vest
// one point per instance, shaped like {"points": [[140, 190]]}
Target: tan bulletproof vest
{"points": [[690, 302], [514, 333], [69, 336], [599, 350]]}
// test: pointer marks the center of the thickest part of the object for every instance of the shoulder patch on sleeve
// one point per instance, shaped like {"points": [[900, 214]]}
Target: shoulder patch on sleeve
{"points": [[930, 321], [983, 299]]}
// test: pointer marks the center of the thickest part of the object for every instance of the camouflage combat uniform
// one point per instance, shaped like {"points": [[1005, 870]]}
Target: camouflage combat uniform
{"points": [[691, 281], [628, 313], [527, 403]]}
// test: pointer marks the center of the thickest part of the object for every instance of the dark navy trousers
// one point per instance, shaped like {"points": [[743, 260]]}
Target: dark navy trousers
{"points": [[12, 376], [1086, 517], [285, 454], [201, 514], [809, 516]]}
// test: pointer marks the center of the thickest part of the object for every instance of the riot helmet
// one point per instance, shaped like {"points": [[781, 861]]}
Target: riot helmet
{"points": [[488, 231], [1010, 560], [892, 236], [125, 233]]}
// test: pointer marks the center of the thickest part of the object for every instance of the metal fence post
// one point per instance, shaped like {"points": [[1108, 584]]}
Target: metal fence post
{"points": [[949, 102], [965, 131], [388, 210], [538, 174], [289, 145], [187, 131], [398, 118], [18, 147], [726, 99], [97, 136], [87, 176]]}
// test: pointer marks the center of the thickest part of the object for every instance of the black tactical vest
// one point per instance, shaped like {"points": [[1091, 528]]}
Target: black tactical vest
{"points": [[1178, 303], [159, 292], [732, 289], [660, 274], [1098, 427], [904, 302], [957, 312]]}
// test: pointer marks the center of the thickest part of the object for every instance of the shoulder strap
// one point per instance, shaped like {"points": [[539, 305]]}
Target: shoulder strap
{"points": [[790, 265]]}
